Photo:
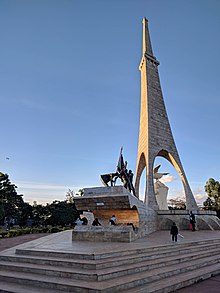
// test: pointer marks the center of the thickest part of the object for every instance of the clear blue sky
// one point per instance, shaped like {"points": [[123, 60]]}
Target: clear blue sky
{"points": [[70, 89]]}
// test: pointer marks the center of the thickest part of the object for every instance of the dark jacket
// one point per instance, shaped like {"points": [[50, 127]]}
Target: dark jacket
{"points": [[192, 218], [174, 230]]}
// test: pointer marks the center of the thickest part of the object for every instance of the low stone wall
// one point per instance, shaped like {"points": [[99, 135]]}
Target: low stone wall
{"points": [[205, 220], [104, 233]]}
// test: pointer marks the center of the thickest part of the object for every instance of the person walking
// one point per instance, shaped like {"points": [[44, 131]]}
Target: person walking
{"points": [[174, 232]]}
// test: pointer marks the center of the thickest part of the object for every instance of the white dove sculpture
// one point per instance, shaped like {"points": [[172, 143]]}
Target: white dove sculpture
{"points": [[157, 175]]}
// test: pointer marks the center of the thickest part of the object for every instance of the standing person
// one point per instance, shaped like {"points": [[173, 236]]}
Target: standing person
{"points": [[113, 220], [192, 220], [174, 232]]}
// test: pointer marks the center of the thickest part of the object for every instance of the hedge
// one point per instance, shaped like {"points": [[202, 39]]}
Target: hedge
{"points": [[24, 231]]}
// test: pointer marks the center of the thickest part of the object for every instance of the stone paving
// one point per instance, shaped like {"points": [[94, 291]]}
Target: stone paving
{"points": [[211, 285], [6, 243], [63, 241]]}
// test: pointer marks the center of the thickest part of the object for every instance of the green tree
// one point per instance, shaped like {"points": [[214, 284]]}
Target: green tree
{"points": [[61, 213], [25, 213], [70, 196], [2, 212], [176, 204], [212, 188], [11, 202], [40, 214], [81, 191]]}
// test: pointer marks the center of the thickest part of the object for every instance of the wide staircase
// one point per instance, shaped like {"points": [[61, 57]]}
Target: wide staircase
{"points": [[152, 269]]}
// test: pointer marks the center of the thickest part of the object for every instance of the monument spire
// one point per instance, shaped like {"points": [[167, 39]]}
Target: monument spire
{"points": [[155, 135], [147, 48]]}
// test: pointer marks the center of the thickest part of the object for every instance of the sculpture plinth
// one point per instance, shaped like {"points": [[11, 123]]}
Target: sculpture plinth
{"points": [[104, 202]]}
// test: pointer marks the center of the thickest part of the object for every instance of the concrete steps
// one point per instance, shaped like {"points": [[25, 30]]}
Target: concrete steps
{"points": [[118, 253], [19, 288], [109, 259], [69, 270], [134, 256], [172, 284], [139, 270]]}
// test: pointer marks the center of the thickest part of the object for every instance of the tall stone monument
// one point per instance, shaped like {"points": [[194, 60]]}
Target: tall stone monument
{"points": [[155, 135], [136, 219]]}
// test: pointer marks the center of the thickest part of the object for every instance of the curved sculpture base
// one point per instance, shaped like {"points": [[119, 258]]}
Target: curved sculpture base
{"points": [[128, 209]]}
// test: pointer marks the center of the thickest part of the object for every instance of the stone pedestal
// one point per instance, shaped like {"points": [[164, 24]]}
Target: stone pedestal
{"points": [[118, 233], [104, 202]]}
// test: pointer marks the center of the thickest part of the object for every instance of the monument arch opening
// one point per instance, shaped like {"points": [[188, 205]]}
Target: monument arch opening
{"points": [[168, 187], [139, 175], [142, 185]]}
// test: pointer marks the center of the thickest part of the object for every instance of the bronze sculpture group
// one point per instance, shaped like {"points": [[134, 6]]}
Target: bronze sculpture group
{"points": [[122, 173]]}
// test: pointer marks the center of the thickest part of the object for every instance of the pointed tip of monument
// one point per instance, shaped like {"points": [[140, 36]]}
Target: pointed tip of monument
{"points": [[145, 19]]}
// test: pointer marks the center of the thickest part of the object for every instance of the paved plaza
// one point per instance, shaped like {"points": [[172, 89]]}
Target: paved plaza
{"points": [[63, 242]]}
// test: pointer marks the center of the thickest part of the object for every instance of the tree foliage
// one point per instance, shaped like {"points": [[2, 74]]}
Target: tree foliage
{"points": [[81, 191], [58, 213], [25, 213], [212, 188], [70, 196], [2, 212], [61, 213], [11, 202], [12, 206], [176, 204]]}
